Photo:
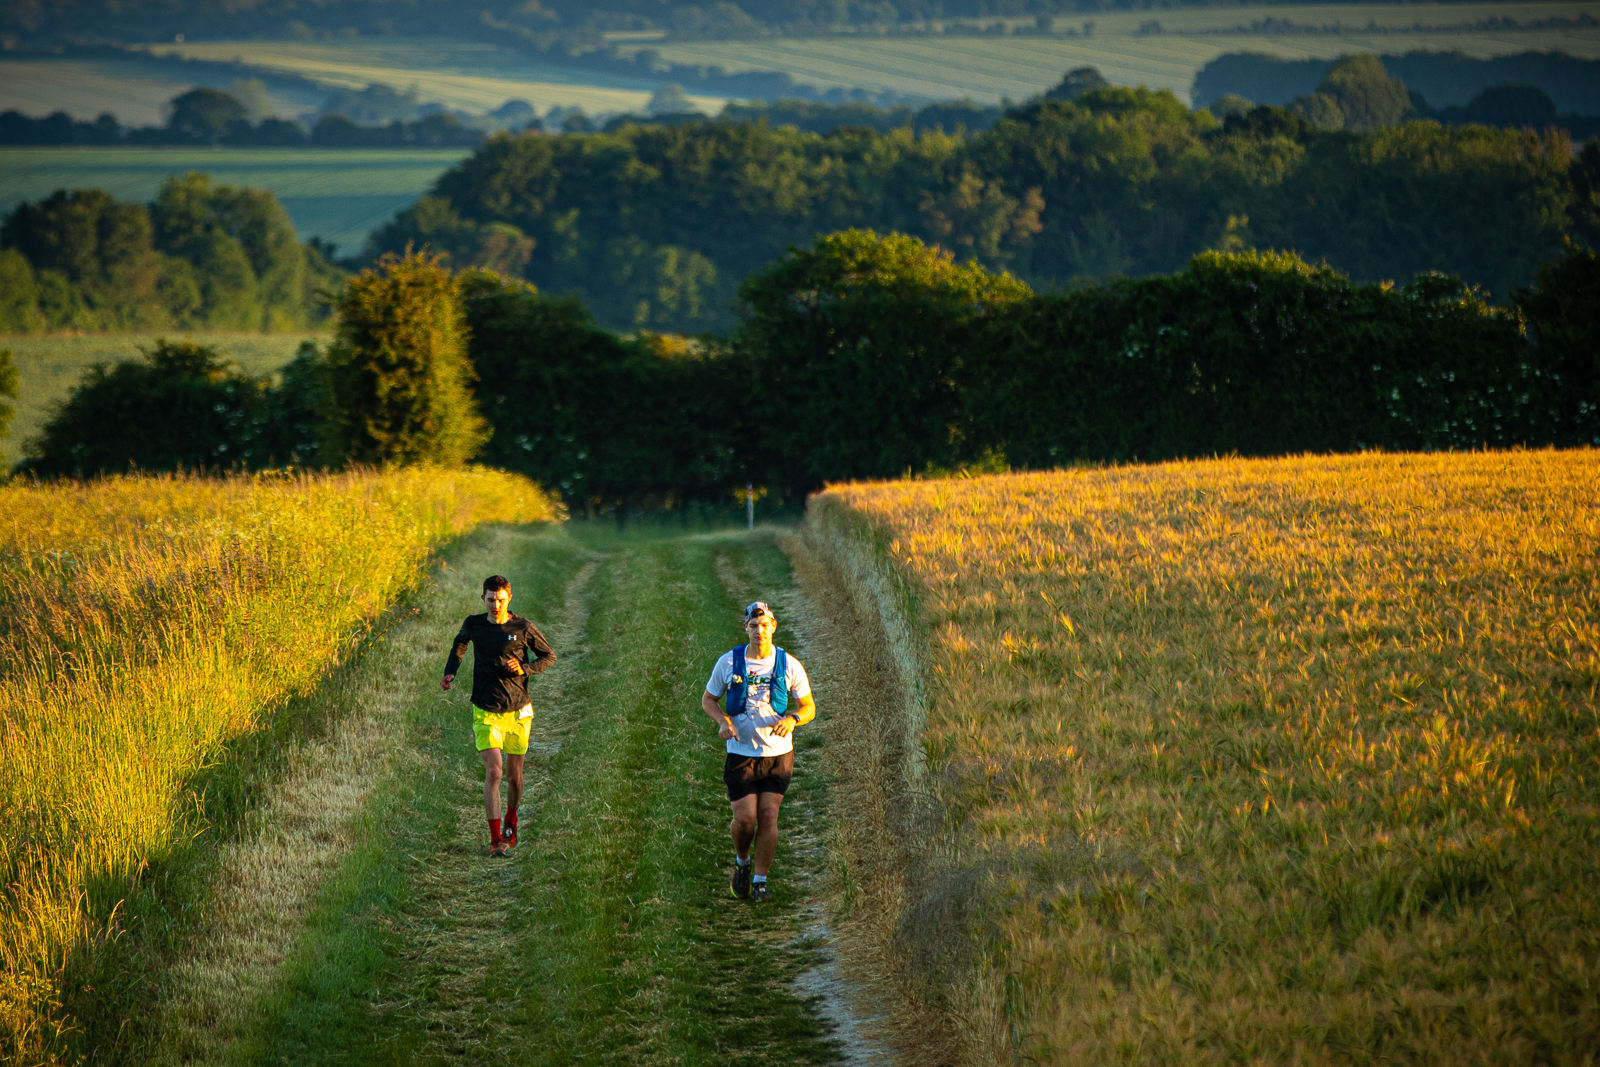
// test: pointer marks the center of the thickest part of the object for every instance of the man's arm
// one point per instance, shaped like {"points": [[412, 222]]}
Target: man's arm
{"points": [[463, 642], [546, 656], [796, 716], [712, 706]]}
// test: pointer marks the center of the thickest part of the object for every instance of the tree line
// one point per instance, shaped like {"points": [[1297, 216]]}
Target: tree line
{"points": [[213, 118], [656, 226], [1571, 82], [864, 356], [198, 256], [1357, 93]]}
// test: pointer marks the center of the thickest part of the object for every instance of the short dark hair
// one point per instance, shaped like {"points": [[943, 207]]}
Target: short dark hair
{"points": [[496, 582]]}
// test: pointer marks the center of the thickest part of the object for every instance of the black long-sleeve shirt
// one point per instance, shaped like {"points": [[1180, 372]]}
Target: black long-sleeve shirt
{"points": [[496, 687]]}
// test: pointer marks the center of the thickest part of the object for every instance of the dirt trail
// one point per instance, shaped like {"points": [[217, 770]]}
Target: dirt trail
{"points": [[817, 618], [465, 917], [609, 936]]}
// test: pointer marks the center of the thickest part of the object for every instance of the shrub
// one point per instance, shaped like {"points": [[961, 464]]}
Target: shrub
{"points": [[398, 372], [1251, 353], [184, 407]]}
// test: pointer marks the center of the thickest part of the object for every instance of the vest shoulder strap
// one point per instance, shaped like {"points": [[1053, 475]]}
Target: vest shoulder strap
{"points": [[739, 683]]}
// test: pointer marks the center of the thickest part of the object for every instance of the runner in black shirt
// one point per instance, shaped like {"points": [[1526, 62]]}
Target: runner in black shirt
{"points": [[507, 649]]}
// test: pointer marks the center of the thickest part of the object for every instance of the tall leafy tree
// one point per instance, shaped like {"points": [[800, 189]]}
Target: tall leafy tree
{"points": [[399, 377], [205, 115], [1563, 314], [849, 354], [603, 419], [19, 294], [94, 254]]}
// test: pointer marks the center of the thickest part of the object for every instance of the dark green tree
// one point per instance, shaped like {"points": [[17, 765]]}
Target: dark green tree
{"points": [[1077, 82], [100, 250], [205, 116], [1255, 353], [1356, 94], [398, 372], [607, 421], [848, 357], [19, 294], [1563, 313]]}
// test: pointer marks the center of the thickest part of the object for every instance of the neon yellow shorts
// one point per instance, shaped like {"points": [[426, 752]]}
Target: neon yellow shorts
{"points": [[505, 730]]}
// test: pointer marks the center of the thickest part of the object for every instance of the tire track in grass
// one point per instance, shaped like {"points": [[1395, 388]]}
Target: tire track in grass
{"points": [[221, 998], [610, 937], [638, 954], [821, 635], [459, 927]]}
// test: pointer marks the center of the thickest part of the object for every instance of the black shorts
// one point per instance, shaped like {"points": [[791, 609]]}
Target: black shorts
{"points": [[745, 775]]}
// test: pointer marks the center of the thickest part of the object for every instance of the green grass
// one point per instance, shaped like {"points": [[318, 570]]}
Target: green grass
{"points": [[609, 937], [50, 366], [988, 68], [337, 194]]}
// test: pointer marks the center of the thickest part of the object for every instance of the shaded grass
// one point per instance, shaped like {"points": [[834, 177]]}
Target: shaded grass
{"points": [[609, 937], [1262, 760]]}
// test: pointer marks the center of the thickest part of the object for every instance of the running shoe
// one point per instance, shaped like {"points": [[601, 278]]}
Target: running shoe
{"points": [[497, 851], [508, 836], [760, 891], [740, 885]]}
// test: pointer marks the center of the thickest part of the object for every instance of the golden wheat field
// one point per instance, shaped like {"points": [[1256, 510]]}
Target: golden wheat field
{"points": [[1268, 761], [146, 622]]}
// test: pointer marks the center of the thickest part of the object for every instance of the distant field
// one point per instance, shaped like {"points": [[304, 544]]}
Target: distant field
{"points": [[51, 366], [470, 76], [336, 194], [988, 68], [1267, 761], [134, 90]]}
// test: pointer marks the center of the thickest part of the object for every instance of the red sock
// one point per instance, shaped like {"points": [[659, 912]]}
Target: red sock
{"points": [[511, 818], [494, 831]]}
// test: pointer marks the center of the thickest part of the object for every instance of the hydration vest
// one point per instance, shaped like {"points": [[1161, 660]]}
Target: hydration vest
{"points": [[738, 686]]}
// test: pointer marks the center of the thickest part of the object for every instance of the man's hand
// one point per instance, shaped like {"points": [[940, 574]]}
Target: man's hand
{"points": [[511, 663], [446, 682], [726, 731], [798, 716]]}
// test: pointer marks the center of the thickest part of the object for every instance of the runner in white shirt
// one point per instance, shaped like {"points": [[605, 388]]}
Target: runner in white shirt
{"points": [[764, 707]]}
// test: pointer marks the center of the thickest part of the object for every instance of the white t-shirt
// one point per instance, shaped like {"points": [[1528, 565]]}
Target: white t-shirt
{"points": [[753, 734]]}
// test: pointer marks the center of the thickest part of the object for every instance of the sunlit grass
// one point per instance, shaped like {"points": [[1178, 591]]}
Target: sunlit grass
{"points": [[1288, 760], [144, 624]]}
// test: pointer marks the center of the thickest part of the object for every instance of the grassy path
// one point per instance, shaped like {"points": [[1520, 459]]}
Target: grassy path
{"points": [[609, 937]]}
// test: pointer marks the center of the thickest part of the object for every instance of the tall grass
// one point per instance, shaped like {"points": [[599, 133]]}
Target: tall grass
{"points": [[144, 624], [1288, 760]]}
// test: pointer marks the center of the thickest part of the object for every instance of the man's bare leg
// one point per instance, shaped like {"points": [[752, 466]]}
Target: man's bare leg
{"points": [[743, 826], [491, 781], [513, 782], [766, 844]]}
